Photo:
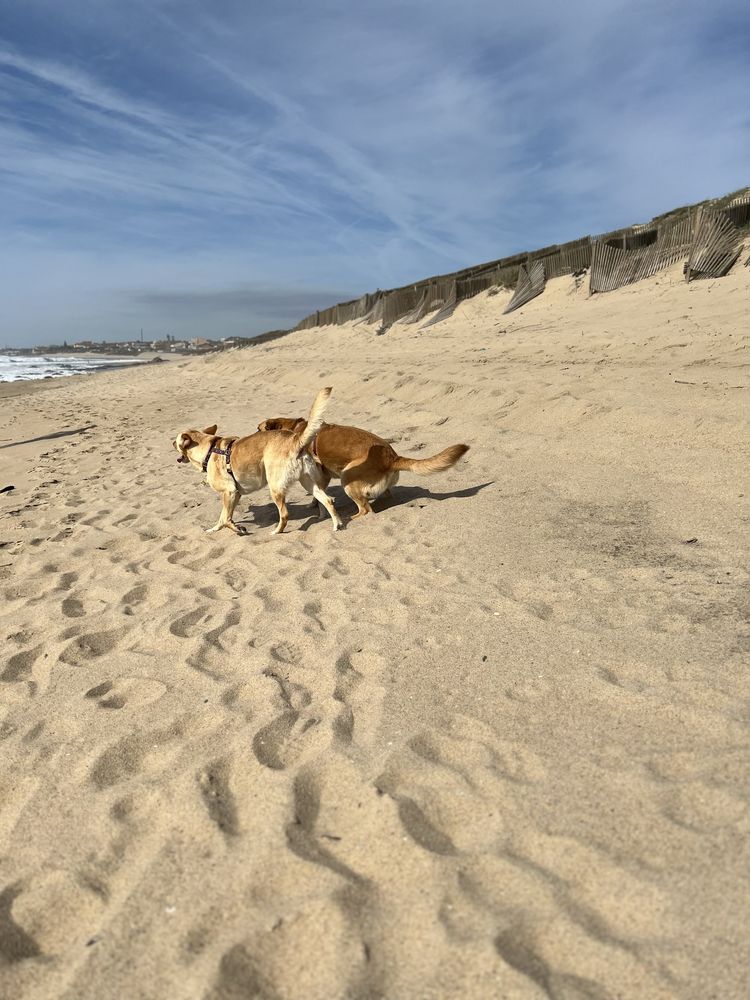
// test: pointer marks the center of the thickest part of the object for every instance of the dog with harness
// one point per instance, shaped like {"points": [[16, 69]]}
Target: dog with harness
{"points": [[237, 465]]}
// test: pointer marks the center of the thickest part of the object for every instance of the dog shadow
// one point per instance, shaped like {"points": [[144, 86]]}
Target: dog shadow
{"points": [[267, 515], [51, 436], [404, 496]]}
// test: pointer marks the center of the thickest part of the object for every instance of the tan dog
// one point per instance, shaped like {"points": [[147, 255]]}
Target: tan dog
{"points": [[234, 466], [366, 464]]}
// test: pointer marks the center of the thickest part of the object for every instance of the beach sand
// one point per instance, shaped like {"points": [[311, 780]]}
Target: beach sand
{"points": [[490, 742]]}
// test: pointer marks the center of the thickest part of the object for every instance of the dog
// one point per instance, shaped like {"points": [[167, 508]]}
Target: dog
{"points": [[234, 466], [366, 464]]}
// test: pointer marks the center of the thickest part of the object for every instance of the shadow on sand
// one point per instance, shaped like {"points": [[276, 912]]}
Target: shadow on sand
{"points": [[49, 437], [266, 515]]}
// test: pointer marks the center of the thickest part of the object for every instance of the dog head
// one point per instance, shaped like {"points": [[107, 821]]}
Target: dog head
{"points": [[187, 440], [281, 424]]}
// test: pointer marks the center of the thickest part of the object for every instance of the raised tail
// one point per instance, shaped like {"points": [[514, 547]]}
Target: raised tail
{"points": [[438, 463], [306, 433]]}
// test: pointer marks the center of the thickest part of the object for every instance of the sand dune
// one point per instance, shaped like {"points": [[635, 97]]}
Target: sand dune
{"points": [[490, 742]]}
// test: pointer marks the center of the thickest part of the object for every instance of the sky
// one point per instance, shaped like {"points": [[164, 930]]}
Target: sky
{"points": [[224, 167]]}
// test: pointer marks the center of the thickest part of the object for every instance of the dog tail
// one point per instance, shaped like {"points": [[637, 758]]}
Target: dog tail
{"points": [[445, 459], [305, 434]]}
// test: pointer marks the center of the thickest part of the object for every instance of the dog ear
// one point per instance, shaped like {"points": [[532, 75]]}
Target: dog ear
{"points": [[263, 425], [185, 440], [210, 430], [299, 424]]}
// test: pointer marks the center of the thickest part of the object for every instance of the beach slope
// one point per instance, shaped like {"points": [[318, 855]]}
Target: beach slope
{"points": [[488, 742]]}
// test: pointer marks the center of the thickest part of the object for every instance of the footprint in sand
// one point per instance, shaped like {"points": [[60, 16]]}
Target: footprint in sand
{"points": [[28, 590], [334, 567], [286, 653], [214, 784], [16, 944], [131, 691], [125, 520], [96, 517], [180, 558], [18, 667], [72, 608], [234, 581], [296, 732], [62, 535], [136, 595], [454, 786], [564, 916], [703, 807], [89, 646], [140, 752], [358, 691], [185, 626], [332, 966], [49, 914]]}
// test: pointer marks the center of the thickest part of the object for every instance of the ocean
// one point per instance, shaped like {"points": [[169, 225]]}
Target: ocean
{"points": [[14, 368]]}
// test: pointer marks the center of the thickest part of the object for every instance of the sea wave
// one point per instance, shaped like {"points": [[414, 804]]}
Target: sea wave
{"points": [[15, 367]]}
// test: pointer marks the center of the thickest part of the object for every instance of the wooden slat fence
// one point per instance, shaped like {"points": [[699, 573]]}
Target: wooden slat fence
{"points": [[375, 312], [433, 296], [616, 258], [613, 266], [419, 310], [449, 304], [531, 281], [738, 211], [716, 246]]}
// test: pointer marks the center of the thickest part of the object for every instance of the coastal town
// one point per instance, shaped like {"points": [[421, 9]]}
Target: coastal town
{"points": [[169, 345]]}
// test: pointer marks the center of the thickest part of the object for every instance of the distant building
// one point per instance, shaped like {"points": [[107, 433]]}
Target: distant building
{"points": [[201, 344]]}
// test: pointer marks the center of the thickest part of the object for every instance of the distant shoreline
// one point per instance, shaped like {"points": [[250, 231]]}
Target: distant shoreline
{"points": [[24, 386]]}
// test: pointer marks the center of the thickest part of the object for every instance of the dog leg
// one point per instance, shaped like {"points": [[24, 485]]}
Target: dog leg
{"points": [[320, 481], [280, 500], [325, 479], [355, 493], [232, 503], [228, 503], [318, 476], [325, 502], [323, 482]]}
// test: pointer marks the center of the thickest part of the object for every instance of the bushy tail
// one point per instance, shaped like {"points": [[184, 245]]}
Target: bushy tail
{"points": [[438, 463], [306, 433]]}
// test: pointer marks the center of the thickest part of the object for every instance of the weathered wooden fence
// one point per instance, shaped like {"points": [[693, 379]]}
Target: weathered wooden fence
{"points": [[716, 246], [641, 255], [531, 282], [706, 235]]}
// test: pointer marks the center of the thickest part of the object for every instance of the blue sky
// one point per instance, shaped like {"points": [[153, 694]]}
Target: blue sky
{"points": [[224, 167]]}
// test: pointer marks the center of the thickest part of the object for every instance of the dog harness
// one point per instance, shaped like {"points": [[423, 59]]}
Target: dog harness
{"points": [[213, 450]]}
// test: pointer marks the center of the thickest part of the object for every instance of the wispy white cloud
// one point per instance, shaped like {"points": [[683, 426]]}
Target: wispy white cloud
{"points": [[172, 144]]}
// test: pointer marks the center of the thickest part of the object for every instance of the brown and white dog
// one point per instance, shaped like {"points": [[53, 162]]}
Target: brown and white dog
{"points": [[366, 464], [234, 466]]}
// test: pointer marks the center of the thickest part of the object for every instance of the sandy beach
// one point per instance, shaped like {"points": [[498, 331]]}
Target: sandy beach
{"points": [[490, 742]]}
